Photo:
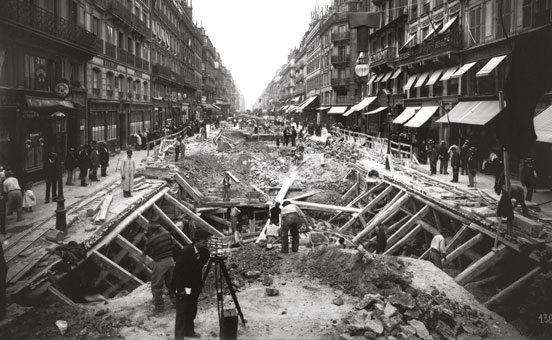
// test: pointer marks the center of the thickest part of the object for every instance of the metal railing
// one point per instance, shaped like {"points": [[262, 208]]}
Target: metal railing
{"points": [[386, 54], [45, 22], [342, 58], [340, 81], [451, 40], [338, 36], [124, 14]]}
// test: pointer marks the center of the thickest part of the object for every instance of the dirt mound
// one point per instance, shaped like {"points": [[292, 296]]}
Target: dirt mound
{"points": [[389, 305], [251, 262], [40, 323]]}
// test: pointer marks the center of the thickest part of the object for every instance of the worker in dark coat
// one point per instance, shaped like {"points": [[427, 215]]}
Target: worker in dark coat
{"points": [[104, 158], [70, 165], [528, 178], [94, 162], [464, 154], [83, 162], [187, 285], [443, 158], [454, 163], [51, 172], [293, 135], [433, 157], [472, 166]]}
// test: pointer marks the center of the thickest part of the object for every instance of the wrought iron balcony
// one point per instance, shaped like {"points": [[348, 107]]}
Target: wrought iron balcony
{"points": [[382, 56], [138, 62], [110, 50], [122, 55], [24, 13], [340, 82], [342, 58], [109, 93], [340, 36], [124, 14], [145, 65], [159, 70], [449, 41], [121, 95]]}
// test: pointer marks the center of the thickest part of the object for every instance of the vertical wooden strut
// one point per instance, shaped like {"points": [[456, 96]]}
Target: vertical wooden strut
{"points": [[467, 245]]}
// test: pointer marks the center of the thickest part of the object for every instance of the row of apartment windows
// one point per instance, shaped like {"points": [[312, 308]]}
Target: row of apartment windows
{"points": [[314, 83], [119, 82]]}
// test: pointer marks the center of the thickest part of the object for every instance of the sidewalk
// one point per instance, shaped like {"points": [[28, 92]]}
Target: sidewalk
{"points": [[73, 194]]}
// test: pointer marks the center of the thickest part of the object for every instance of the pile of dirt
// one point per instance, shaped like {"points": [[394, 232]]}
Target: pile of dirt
{"points": [[335, 150], [252, 263], [388, 304], [40, 323]]}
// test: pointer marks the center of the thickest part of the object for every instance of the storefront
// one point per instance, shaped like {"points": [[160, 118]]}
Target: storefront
{"points": [[103, 124]]}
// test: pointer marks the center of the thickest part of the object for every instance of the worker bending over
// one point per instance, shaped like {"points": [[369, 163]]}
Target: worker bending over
{"points": [[292, 218]]}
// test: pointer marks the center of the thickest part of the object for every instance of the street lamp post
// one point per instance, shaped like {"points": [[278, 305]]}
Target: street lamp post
{"points": [[389, 122], [59, 124]]}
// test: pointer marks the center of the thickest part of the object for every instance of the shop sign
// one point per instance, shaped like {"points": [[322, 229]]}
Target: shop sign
{"points": [[61, 90], [29, 114]]}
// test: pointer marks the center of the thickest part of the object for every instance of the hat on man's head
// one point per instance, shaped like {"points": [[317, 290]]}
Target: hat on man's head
{"points": [[200, 234]]}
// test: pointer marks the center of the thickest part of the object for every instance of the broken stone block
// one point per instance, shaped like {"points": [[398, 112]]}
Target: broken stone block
{"points": [[412, 314], [389, 310], [374, 325], [444, 330], [370, 335], [421, 329], [407, 331], [368, 300], [267, 281], [252, 274], [402, 300], [54, 235], [338, 301], [272, 292], [357, 323], [390, 323]]}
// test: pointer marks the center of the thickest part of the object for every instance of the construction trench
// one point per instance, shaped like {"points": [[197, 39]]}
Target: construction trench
{"points": [[99, 282]]}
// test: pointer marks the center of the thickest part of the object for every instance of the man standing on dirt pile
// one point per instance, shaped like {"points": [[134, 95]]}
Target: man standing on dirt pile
{"points": [[291, 223], [159, 247], [186, 283], [437, 252]]}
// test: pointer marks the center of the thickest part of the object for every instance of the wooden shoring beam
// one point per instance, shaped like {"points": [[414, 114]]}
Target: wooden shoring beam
{"points": [[482, 282], [456, 237], [482, 265], [101, 216], [305, 195], [363, 211], [136, 254], [201, 222], [349, 192], [60, 296], [128, 220], [404, 240], [234, 178], [218, 219], [393, 227], [424, 255], [429, 228], [285, 187], [465, 246], [142, 221], [194, 194], [358, 199], [323, 207], [503, 294], [437, 219], [382, 215], [366, 208], [114, 268], [171, 224], [407, 226]]}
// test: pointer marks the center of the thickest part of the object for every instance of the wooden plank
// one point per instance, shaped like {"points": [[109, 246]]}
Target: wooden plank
{"points": [[324, 207], [285, 187], [201, 222], [104, 209], [128, 220], [60, 296], [194, 194], [356, 200], [233, 177], [425, 254], [465, 246], [170, 222], [142, 221], [218, 219], [404, 240], [456, 237], [503, 294], [481, 265], [257, 189], [350, 192], [364, 210], [305, 195], [487, 280], [382, 215], [135, 253], [407, 226], [114, 268]]}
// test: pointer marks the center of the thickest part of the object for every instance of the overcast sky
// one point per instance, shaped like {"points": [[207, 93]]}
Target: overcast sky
{"points": [[254, 37]]}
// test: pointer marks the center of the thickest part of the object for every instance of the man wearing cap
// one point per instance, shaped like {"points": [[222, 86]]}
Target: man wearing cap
{"points": [[14, 196], [472, 166], [186, 283], [291, 222], [159, 247]]}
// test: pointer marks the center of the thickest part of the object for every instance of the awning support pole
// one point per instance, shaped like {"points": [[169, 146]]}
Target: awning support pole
{"points": [[506, 170]]}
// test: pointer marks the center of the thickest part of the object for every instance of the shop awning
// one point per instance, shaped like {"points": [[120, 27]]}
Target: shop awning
{"points": [[407, 113], [448, 73], [387, 76], [463, 70], [371, 80], [432, 30], [421, 79], [447, 25], [396, 74], [434, 76], [322, 108], [296, 99], [472, 113], [543, 126], [379, 109], [306, 103], [410, 81], [291, 108], [490, 66], [337, 110], [360, 106], [47, 102], [379, 78], [217, 108], [422, 116], [408, 41]]}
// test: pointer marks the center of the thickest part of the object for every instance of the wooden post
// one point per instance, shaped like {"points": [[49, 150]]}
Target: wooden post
{"points": [[481, 265], [196, 195], [358, 199], [350, 191], [503, 294], [467, 245], [482, 282], [456, 237], [201, 222], [363, 211], [114, 268], [171, 224], [405, 239], [404, 229], [60, 296], [324, 207], [135, 253]]}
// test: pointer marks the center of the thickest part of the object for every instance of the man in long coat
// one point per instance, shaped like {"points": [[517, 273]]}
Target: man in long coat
{"points": [[127, 174], [83, 162]]}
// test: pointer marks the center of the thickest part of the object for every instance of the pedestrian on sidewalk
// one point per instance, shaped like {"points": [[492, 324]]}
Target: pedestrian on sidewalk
{"points": [[444, 158], [292, 217], [464, 155], [94, 162], [454, 163], [104, 158], [83, 162], [433, 157], [293, 135], [472, 166], [437, 252], [127, 174], [528, 178], [29, 198], [14, 195], [70, 165], [51, 170], [160, 246]]}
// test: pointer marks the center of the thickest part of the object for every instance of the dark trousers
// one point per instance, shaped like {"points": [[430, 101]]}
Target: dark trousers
{"points": [[15, 202], [530, 190], [82, 175], [51, 184], [433, 167], [94, 173], [435, 258], [292, 141], [161, 275], [464, 167], [443, 167], [104, 170], [186, 311], [290, 224], [455, 171]]}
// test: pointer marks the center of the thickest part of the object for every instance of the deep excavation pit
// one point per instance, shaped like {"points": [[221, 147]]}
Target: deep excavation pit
{"points": [[415, 288]]}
